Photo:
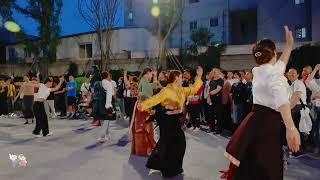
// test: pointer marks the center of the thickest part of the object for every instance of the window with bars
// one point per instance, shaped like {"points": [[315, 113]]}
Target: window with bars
{"points": [[193, 25], [193, 1], [300, 32], [214, 22], [297, 2], [85, 51]]}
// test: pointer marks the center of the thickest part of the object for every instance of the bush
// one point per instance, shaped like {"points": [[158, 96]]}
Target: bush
{"points": [[305, 55]]}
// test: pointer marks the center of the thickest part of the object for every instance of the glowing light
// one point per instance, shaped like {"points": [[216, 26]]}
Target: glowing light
{"points": [[155, 1], [155, 11], [12, 26]]}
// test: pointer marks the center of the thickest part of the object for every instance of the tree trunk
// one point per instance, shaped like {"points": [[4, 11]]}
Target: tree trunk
{"points": [[162, 55], [108, 50], [44, 67]]}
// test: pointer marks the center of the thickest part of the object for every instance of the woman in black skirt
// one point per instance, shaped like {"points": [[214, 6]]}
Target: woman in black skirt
{"points": [[255, 149], [170, 149]]}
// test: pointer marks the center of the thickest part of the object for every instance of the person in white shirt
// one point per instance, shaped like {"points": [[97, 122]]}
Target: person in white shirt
{"points": [[39, 109], [255, 149], [109, 89], [314, 85], [298, 99], [85, 87]]}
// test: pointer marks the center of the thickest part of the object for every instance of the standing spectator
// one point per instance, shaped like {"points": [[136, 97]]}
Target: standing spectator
{"points": [[239, 95], [61, 97], [107, 92], [249, 97], [49, 103], [10, 94], [3, 98], [120, 96], [304, 75], [133, 89], [314, 85], [71, 96], [215, 92], [226, 102], [297, 100], [187, 80], [194, 104], [85, 87], [205, 105]]}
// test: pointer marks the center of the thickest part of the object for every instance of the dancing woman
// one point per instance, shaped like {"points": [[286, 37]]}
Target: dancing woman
{"points": [[170, 149], [27, 91], [142, 132], [255, 149]]}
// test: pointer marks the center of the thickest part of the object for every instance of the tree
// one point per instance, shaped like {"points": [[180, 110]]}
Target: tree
{"points": [[101, 16], [171, 12], [208, 59], [47, 14], [199, 38]]}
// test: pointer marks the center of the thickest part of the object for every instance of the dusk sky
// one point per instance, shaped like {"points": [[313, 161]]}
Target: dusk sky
{"points": [[71, 22]]}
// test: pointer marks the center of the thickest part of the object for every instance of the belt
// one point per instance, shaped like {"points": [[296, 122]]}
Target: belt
{"points": [[178, 111]]}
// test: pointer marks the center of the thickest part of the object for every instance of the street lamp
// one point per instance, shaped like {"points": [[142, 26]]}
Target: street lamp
{"points": [[155, 11]]}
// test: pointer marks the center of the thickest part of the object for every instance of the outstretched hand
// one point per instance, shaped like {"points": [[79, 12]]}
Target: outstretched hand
{"points": [[289, 36]]}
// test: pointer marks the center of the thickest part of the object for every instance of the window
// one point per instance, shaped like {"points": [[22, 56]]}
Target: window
{"points": [[85, 51], [27, 54], [300, 32], [297, 2], [12, 54], [214, 22], [3, 55], [193, 1], [193, 25], [130, 16]]}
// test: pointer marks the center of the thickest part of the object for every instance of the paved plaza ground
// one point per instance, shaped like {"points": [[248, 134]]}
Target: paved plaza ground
{"points": [[72, 154]]}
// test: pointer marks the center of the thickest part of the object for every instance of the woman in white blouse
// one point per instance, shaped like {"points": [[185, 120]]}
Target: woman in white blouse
{"points": [[255, 149], [109, 90]]}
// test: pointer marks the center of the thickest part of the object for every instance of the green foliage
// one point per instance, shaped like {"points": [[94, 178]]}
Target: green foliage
{"points": [[199, 38], [80, 81], [208, 59], [305, 55], [73, 69], [46, 13]]}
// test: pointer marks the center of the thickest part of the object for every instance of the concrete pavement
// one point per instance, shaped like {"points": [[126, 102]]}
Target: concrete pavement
{"points": [[73, 154]]}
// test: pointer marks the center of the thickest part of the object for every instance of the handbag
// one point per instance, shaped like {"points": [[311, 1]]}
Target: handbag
{"points": [[111, 114], [305, 124]]}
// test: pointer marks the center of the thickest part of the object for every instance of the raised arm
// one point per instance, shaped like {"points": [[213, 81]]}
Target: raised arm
{"points": [[289, 45], [153, 101], [314, 72], [58, 86], [280, 97], [125, 78]]}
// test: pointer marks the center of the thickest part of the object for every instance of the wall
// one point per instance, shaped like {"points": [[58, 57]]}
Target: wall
{"points": [[316, 20], [274, 14], [243, 26], [59, 68]]}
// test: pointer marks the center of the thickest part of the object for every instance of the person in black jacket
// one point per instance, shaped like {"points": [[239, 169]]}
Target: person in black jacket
{"points": [[239, 96]]}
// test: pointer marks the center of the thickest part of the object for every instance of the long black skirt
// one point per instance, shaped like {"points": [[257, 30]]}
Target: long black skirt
{"points": [[28, 106], [170, 149], [256, 146]]}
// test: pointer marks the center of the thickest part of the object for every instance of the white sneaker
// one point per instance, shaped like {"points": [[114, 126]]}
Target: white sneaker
{"points": [[153, 172], [196, 129], [104, 139], [49, 134], [37, 135]]}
